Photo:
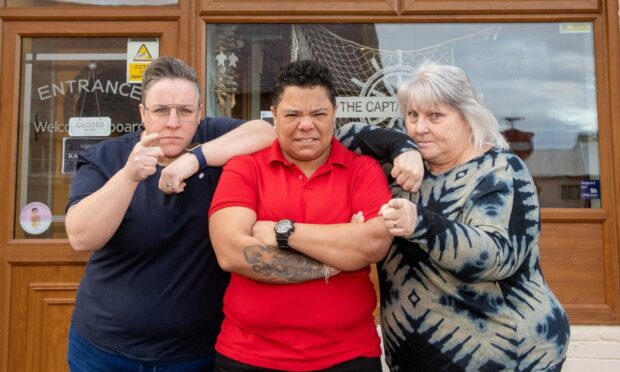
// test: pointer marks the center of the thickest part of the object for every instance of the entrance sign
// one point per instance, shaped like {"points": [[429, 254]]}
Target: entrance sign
{"points": [[139, 55]]}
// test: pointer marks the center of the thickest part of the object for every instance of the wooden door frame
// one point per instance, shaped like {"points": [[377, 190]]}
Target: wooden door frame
{"points": [[44, 251]]}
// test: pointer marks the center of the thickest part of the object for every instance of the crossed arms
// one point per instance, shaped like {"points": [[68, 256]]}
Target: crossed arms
{"points": [[247, 247]]}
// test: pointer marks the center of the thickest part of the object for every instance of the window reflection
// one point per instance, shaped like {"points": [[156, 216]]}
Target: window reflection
{"points": [[537, 78], [74, 93]]}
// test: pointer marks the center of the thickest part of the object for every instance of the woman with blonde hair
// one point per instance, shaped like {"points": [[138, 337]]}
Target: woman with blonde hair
{"points": [[462, 287]]}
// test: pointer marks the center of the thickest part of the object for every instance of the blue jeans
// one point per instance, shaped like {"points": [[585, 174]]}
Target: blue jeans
{"points": [[84, 357]]}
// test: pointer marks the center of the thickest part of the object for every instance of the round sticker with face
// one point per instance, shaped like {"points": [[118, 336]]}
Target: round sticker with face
{"points": [[35, 218]]}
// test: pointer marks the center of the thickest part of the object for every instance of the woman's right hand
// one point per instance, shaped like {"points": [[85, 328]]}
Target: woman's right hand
{"points": [[142, 161], [400, 216]]}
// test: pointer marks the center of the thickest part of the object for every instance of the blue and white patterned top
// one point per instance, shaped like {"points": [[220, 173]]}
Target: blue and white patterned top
{"points": [[465, 291]]}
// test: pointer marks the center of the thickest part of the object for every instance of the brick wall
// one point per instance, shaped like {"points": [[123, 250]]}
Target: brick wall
{"points": [[593, 349]]}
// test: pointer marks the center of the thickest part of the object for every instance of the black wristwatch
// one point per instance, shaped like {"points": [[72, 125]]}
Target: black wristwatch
{"points": [[283, 229], [196, 149]]}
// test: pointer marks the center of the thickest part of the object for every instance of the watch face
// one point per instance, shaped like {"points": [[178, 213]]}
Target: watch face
{"points": [[284, 226]]}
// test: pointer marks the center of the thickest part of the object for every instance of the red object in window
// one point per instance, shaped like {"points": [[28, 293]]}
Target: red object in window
{"points": [[520, 142]]}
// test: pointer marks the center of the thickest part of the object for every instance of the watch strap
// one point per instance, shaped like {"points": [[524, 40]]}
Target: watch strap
{"points": [[283, 241], [202, 161]]}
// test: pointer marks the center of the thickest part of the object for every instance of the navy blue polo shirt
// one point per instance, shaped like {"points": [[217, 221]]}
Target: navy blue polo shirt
{"points": [[154, 291]]}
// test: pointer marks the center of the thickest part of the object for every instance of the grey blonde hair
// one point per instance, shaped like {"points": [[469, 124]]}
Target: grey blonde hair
{"points": [[432, 84], [168, 68]]}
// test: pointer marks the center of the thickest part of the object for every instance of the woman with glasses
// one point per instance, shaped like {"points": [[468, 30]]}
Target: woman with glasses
{"points": [[151, 295]]}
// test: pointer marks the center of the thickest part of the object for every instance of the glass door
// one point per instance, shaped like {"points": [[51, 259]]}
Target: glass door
{"points": [[65, 86], [74, 92]]}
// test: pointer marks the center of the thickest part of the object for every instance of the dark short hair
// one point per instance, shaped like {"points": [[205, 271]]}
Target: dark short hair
{"points": [[303, 74], [170, 68]]}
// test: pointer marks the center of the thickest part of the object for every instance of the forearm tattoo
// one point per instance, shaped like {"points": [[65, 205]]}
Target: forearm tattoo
{"points": [[274, 263]]}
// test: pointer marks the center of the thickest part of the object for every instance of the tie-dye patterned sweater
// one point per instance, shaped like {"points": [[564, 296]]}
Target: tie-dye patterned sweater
{"points": [[465, 291]]}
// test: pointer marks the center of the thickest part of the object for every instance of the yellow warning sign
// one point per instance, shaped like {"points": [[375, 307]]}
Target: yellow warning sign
{"points": [[136, 70], [143, 54], [575, 28], [139, 55]]}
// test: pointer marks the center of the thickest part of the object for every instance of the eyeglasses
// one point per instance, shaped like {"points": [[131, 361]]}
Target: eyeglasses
{"points": [[161, 113]]}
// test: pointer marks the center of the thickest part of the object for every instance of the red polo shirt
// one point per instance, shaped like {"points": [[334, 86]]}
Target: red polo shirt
{"points": [[312, 325]]}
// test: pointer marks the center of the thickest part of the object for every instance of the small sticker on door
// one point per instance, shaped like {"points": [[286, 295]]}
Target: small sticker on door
{"points": [[590, 189], [35, 218]]}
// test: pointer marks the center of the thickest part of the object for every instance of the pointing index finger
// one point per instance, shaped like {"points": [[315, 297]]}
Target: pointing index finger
{"points": [[149, 140]]}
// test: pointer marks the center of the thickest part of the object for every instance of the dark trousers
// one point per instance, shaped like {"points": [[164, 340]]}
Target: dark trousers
{"points": [[225, 364], [85, 357]]}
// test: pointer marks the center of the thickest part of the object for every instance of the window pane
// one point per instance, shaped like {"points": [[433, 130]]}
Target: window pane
{"points": [[537, 78], [74, 93]]}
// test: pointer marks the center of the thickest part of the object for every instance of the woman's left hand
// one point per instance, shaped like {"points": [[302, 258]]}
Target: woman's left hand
{"points": [[264, 231], [173, 176], [400, 216]]}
